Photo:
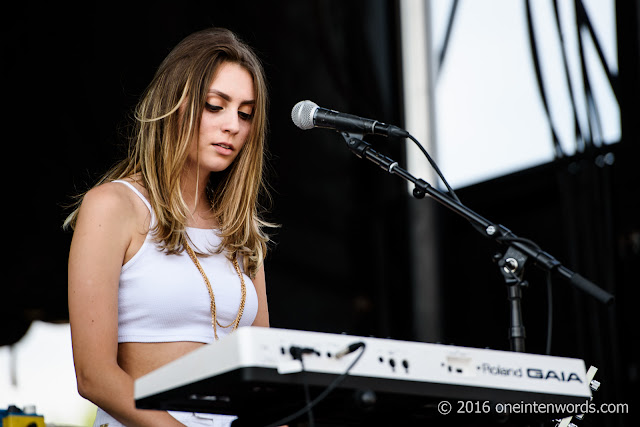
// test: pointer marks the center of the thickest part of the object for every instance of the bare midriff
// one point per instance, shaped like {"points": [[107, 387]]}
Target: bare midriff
{"points": [[138, 359]]}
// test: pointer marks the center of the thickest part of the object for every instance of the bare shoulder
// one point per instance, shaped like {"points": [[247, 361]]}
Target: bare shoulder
{"points": [[109, 200], [114, 204], [109, 220]]}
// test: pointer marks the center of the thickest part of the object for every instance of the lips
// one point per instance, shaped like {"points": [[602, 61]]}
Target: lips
{"points": [[223, 148]]}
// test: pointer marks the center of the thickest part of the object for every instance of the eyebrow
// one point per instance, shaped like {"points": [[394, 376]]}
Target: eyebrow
{"points": [[228, 98]]}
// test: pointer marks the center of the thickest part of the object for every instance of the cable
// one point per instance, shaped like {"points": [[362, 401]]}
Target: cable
{"points": [[549, 312], [307, 397], [536, 64], [584, 20], [322, 395], [567, 76], [297, 353], [436, 169], [447, 36]]}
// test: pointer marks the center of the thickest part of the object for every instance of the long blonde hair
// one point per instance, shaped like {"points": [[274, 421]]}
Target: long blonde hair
{"points": [[167, 121]]}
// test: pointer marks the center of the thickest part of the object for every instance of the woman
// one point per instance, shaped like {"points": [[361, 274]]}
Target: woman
{"points": [[168, 249]]}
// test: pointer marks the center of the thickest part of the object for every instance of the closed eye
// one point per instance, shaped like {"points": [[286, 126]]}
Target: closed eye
{"points": [[245, 116], [216, 108], [212, 108]]}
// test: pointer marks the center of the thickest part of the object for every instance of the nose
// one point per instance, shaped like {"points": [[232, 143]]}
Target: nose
{"points": [[231, 121]]}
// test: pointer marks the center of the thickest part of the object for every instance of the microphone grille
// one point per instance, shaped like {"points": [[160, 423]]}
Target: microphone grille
{"points": [[302, 114]]}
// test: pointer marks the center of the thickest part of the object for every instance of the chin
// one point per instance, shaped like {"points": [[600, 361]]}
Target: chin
{"points": [[217, 166]]}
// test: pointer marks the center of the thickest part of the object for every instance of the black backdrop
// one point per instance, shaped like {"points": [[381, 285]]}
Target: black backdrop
{"points": [[76, 73], [340, 262]]}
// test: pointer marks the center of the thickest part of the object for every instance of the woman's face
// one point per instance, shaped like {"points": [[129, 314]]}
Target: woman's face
{"points": [[226, 118]]}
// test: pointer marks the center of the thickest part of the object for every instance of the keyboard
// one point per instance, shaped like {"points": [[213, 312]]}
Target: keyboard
{"points": [[252, 373]]}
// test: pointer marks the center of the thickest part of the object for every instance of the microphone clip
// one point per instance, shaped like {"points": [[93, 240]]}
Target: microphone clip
{"points": [[356, 144]]}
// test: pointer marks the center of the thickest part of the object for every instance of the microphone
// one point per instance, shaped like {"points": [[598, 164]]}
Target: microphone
{"points": [[307, 115]]}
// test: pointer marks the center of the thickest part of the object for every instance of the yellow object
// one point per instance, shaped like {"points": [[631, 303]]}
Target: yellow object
{"points": [[23, 421]]}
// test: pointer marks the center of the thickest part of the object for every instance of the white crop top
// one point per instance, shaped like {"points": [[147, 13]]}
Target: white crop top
{"points": [[163, 298]]}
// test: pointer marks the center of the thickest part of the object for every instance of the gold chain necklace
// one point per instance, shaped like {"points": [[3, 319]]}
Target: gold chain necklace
{"points": [[214, 314]]}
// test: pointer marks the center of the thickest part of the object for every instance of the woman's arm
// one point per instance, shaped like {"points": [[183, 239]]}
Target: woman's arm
{"points": [[262, 317], [106, 222]]}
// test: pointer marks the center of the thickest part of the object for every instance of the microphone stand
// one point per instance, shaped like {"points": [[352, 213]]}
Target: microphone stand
{"points": [[518, 250]]}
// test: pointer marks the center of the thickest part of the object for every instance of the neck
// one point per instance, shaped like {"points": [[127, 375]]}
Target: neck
{"points": [[194, 194]]}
